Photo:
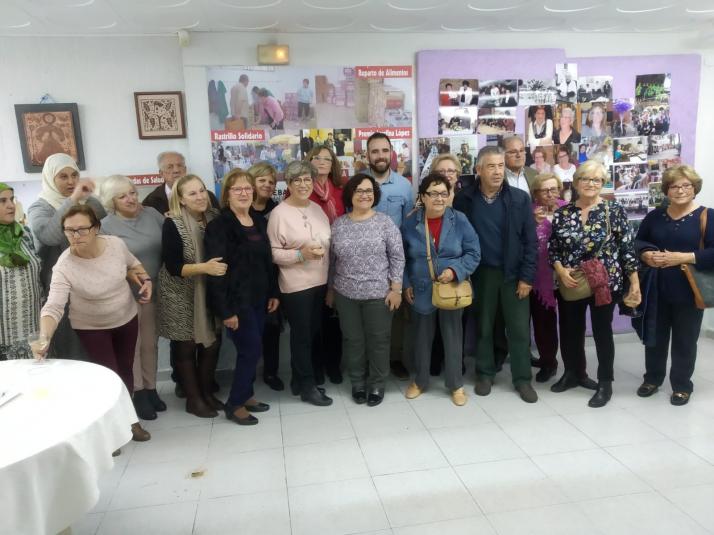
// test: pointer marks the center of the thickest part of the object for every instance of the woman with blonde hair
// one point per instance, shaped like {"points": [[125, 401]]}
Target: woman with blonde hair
{"points": [[140, 229], [184, 317]]}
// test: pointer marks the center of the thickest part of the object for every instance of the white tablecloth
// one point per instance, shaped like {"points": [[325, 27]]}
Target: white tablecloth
{"points": [[56, 440]]}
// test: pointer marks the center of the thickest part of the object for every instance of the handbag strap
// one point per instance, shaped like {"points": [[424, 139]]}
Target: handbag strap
{"points": [[428, 248], [702, 227]]}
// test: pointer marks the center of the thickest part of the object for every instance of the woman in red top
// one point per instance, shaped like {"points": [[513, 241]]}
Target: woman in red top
{"points": [[327, 187]]}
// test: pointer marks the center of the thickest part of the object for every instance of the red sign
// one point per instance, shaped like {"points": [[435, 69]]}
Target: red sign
{"points": [[393, 132], [382, 71], [146, 180], [238, 135]]}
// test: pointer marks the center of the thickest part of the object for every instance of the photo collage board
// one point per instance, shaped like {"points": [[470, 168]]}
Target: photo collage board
{"points": [[280, 114], [566, 120]]}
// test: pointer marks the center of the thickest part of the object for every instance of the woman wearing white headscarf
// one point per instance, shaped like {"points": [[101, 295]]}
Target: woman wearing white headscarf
{"points": [[61, 189]]}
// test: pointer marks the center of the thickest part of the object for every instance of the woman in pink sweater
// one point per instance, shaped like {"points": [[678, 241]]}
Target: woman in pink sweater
{"points": [[92, 276]]}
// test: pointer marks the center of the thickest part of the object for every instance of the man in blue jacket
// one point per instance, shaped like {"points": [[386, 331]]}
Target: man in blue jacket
{"points": [[503, 219]]}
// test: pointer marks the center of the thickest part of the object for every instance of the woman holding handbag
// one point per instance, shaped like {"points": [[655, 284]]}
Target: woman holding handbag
{"points": [[442, 251], [669, 241], [592, 252]]}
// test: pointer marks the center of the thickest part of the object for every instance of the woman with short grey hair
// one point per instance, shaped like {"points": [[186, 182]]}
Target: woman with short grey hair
{"points": [[140, 229]]}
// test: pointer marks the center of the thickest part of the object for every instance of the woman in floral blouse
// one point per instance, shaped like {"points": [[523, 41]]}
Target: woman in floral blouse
{"points": [[591, 228]]}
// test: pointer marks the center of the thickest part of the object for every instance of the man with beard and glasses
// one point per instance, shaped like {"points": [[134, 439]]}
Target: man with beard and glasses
{"points": [[397, 200]]}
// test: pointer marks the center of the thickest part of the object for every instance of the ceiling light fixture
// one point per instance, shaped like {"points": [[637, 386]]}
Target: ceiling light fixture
{"points": [[647, 10], [401, 8], [493, 9], [335, 8], [572, 10], [273, 54]]}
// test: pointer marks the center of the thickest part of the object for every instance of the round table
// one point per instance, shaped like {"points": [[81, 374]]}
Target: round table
{"points": [[56, 440]]}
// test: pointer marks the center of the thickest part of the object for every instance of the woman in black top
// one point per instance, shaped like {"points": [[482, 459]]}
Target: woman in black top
{"points": [[248, 290], [667, 238]]}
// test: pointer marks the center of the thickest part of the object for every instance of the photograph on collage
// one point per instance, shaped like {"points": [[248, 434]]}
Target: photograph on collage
{"points": [[453, 121], [498, 93], [630, 149], [565, 162], [566, 81], [594, 120], [600, 149], [631, 176], [656, 195], [622, 124], [539, 125], [541, 159], [565, 124], [458, 92], [651, 113], [594, 89], [463, 151], [534, 92], [496, 121], [635, 202], [664, 147]]}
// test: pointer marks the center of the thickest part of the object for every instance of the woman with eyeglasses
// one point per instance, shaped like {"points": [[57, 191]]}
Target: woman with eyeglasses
{"points": [[667, 239], [91, 276], [246, 292], [591, 240], [140, 229], [565, 133], [545, 192], [299, 233], [564, 169], [455, 254], [365, 285]]}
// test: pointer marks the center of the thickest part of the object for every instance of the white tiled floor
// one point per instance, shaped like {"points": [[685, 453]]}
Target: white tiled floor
{"points": [[497, 466]]}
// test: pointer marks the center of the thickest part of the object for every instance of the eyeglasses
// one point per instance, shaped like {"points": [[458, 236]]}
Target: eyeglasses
{"points": [[448, 171], [364, 192], [247, 190], [682, 187], [437, 194], [549, 191], [593, 181], [75, 232], [302, 180], [322, 158]]}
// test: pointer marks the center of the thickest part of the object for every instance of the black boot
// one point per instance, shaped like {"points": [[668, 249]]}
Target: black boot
{"points": [[144, 409], [315, 397], [602, 396], [207, 361], [195, 404], [155, 400], [566, 382]]}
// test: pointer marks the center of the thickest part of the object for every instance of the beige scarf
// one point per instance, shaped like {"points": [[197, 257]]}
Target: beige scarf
{"points": [[53, 165], [203, 326]]}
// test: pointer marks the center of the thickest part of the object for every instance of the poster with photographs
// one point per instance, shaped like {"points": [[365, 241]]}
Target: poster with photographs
{"points": [[622, 124], [628, 176], [600, 149], [656, 195], [594, 89], [665, 147], [498, 93], [496, 121], [566, 81], [630, 149], [537, 92], [635, 202], [464, 148], [457, 121], [458, 92], [595, 119], [651, 113], [539, 125]]}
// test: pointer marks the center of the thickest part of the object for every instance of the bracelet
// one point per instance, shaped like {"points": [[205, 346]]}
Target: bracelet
{"points": [[301, 258]]}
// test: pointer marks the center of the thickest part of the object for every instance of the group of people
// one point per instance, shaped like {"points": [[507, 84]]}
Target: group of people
{"points": [[351, 266]]}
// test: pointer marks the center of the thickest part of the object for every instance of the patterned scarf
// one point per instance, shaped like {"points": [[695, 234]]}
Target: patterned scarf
{"points": [[11, 253]]}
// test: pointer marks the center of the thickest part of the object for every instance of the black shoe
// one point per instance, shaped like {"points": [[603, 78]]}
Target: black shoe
{"points": [[335, 377], [588, 383], [144, 409], [315, 397], [483, 386], [602, 395], [525, 390], [398, 370], [274, 382], [646, 390], [544, 374], [250, 420], [179, 391], [567, 381], [679, 398], [258, 407], [155, 400], [359, 395], [375, 397]]}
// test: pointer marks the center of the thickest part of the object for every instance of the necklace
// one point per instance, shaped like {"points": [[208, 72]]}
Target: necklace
{"points": [[305, 222]]}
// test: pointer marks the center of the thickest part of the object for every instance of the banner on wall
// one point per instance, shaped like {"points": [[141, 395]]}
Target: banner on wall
{"points": [[260, 113]]}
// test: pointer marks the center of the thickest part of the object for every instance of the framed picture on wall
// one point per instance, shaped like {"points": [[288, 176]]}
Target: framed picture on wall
{"points": [[159, 115], [46, 129]]}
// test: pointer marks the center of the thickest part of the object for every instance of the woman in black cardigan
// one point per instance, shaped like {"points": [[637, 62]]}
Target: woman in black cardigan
{"points": [[247, 292]]}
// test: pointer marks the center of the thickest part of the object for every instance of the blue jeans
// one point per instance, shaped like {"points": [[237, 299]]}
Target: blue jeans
{"points": [[248, 341]]}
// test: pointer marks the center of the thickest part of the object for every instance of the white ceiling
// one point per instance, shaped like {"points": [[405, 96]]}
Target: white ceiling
{"points": [[152, 17]]}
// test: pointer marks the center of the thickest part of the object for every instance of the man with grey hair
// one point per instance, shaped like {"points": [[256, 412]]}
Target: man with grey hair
{"points": [[172, 166], [517, 174], [503, 219]]}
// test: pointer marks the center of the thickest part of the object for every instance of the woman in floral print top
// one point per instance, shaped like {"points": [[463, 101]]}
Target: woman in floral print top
{"points": [[580, 232]]}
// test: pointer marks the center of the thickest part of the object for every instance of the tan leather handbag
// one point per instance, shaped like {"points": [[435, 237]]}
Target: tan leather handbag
{"points": [[446, 296]]}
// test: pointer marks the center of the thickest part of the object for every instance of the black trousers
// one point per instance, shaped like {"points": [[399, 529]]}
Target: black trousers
{"points": [[327, 347], [682, 324], [572, 335], [303, 310], [271, 342], [545, 332]]}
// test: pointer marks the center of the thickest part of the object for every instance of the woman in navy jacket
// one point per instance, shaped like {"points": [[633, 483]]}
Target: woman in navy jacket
{"points": [[247, 292], [455, 254]]}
